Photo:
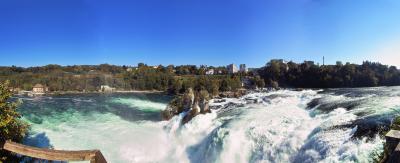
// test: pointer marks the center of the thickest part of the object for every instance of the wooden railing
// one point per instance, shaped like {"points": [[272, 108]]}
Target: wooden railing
{"points": [[94, 156]]}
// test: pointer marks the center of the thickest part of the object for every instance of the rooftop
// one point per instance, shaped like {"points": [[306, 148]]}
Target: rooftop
{"points": [[38, 86]]}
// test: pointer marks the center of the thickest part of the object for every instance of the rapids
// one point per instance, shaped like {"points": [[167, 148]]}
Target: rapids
{"points": [[333, 125]]}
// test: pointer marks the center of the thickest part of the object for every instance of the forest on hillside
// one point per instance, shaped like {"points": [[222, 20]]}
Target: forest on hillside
{"points": [[177, 79], [309, 75], [89, 78]]}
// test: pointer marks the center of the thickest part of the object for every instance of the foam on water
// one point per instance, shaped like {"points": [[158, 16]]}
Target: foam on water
{"points": [[140, 104], [328, 144], [277, 128], [118, 139], [268, 133]]}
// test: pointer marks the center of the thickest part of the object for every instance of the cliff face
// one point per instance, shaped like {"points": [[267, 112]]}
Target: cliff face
{"points": [[193, 103]]}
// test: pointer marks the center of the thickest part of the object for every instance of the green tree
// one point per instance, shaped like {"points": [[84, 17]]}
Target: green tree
{"points": [[214, 88], [224, 86], [11, 126], [259, 82]]}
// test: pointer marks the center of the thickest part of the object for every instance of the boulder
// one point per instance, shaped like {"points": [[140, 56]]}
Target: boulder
{"points": [[188, 99], [179, 104], [204, 98], [169, 112], [194, 111], [204, 106], [191, 102], [174, 107]]}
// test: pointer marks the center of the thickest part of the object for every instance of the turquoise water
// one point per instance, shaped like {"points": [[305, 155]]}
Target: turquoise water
{"points": [[91, 121], [334, 125]]}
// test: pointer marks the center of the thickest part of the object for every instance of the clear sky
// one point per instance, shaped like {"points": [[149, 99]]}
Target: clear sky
{"points": [[211, 32]]}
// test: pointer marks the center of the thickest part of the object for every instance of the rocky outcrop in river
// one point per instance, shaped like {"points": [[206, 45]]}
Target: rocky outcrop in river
{"points": [[193, 103]]}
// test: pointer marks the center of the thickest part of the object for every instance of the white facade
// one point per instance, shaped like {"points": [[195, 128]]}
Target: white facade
{"points": [[39, 89], [232, 68], [210, 72], [243, 68], [106, 88]]}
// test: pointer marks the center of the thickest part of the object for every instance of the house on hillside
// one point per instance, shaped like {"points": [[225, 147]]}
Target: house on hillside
{"points": [[106, 88], [210, 72], [39, 89]]}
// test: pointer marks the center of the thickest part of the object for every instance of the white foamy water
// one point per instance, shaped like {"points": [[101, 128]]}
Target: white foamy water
{"points": [[140, 104], [273, 127]]}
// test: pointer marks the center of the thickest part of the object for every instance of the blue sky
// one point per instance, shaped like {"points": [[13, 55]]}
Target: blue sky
{"points": [[211, 32]]}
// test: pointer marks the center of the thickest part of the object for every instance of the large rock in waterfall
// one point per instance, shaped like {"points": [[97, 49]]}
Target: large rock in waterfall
{"points": [[188, 99], [179, 104], [193, 103]]}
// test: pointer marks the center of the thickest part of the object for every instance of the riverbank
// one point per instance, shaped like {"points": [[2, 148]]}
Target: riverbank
{"points": [[93, 92]]}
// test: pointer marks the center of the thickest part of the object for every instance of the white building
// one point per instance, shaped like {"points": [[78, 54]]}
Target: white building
{"points": [[232, 68], [106, 88], [210, 72], [39, 89], [243, 68]]}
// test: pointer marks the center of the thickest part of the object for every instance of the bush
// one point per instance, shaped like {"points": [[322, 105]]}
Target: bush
{"points": [[11, 126], [396, 124]]}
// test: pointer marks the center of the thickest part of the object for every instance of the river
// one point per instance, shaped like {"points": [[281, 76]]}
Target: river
{"points": [[332, 125]]}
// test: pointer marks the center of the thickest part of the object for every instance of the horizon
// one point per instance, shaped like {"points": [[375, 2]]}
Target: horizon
{"points": [[197, 32]]}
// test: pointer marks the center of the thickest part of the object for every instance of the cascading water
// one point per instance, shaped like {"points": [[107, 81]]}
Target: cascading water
{"points": [[336, 125]]}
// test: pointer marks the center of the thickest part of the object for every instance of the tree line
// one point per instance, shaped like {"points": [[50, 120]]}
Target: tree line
{"points": [[89, 78], [177, 79], [309, 75]]}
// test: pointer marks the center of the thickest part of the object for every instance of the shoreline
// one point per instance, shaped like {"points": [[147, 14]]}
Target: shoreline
{"points": [[79, 92], [130, 91]]}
